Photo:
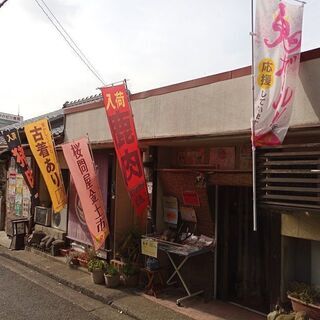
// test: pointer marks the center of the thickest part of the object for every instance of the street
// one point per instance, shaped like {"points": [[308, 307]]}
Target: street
{"points": [[26, 294]]}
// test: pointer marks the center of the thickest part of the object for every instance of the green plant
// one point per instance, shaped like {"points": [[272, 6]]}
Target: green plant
{"points": [[96, 264], [111, 270], [129, 269], [305, 293], [130, 247], [90, 252]]}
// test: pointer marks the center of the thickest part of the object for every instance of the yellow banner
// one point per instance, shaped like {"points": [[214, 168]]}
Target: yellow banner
{"points": [[40, 141]]}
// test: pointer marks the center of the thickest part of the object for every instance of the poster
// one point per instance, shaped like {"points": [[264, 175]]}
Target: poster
{"points": [[170, 210], [223, 158], [190, 198], [20, 160]]}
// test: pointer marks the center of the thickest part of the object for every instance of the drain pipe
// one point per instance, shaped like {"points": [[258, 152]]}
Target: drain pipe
{"points": [[216, 240]]}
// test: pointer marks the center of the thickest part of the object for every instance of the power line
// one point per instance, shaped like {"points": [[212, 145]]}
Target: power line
{"points": [[69, 41], [3, 2], [70, 38]]}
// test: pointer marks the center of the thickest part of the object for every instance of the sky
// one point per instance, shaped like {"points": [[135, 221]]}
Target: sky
{"points": [[152, 43]]}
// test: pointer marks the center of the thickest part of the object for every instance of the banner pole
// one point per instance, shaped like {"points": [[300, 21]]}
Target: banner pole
{"points": [[90, 149], [56, 154], [254, 187]]}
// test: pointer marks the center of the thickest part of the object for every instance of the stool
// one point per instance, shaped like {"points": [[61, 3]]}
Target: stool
{"points": [[153, 287]]}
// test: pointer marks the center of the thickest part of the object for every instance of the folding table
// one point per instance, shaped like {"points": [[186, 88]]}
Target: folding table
{"points": [[186, 252]]}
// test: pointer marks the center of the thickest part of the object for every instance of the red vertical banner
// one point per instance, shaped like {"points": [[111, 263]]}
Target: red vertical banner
{"points": [[121, 123], [14, 144]]}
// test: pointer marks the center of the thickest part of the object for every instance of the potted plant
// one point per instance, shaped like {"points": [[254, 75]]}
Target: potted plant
{"points": [[129, 249], [96, 267], [83, 259], [112, 276], [130, 275], [305, 298], [86, 256]]}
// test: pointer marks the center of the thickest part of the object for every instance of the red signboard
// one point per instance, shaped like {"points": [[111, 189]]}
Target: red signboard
{"points": [[119, 114], [190, 198]]}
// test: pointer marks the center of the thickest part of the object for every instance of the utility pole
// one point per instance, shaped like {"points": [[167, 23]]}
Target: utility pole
{"points": [[3, 2]]}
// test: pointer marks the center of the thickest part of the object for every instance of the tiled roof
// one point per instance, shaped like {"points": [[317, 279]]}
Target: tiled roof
{"points": [[51, 116], [94, 98]]}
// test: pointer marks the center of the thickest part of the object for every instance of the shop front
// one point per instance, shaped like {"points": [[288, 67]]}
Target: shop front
{"points": [[211, 182], [196, 138], [20, 204]]}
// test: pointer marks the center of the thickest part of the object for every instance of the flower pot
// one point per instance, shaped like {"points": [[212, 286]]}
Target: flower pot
{"points": [[83, 262], [313, 311], [131, 281], [112, 281], [97, 276], [72, 262]]}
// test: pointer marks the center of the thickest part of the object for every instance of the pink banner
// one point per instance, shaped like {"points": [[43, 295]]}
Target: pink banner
{"points": [[277, 56], [77, 226], [81, 166]]}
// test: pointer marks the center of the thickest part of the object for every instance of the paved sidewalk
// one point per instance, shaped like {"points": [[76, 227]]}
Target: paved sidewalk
{"points": [[126, 301], [134, 305]]}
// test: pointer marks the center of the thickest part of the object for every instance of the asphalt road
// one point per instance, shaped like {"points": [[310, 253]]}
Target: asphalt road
{"points": [[26, 294]]}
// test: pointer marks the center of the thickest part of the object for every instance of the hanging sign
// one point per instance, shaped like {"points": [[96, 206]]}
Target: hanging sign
{"points": [[149, 247], [277, 44], [120, 118], [13, 141], [80, 163], [170, 210], [41, 145]]}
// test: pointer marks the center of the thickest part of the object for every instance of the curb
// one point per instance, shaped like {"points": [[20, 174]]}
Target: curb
{"points": [[61, 280]]}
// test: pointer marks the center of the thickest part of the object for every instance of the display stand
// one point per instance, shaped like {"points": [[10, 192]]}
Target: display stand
{"points": [[183, 243], [186, 252]]}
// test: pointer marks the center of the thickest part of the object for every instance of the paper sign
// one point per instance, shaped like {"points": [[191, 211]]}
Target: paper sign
{"points": [[149, 247], [190, 198], [13, 140], [170, 210]]}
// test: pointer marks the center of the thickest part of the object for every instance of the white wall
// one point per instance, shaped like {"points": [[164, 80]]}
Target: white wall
{"points": [[218, 108]]}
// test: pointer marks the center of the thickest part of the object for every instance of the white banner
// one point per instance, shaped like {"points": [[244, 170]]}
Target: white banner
{"points": [[277, 44]]}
